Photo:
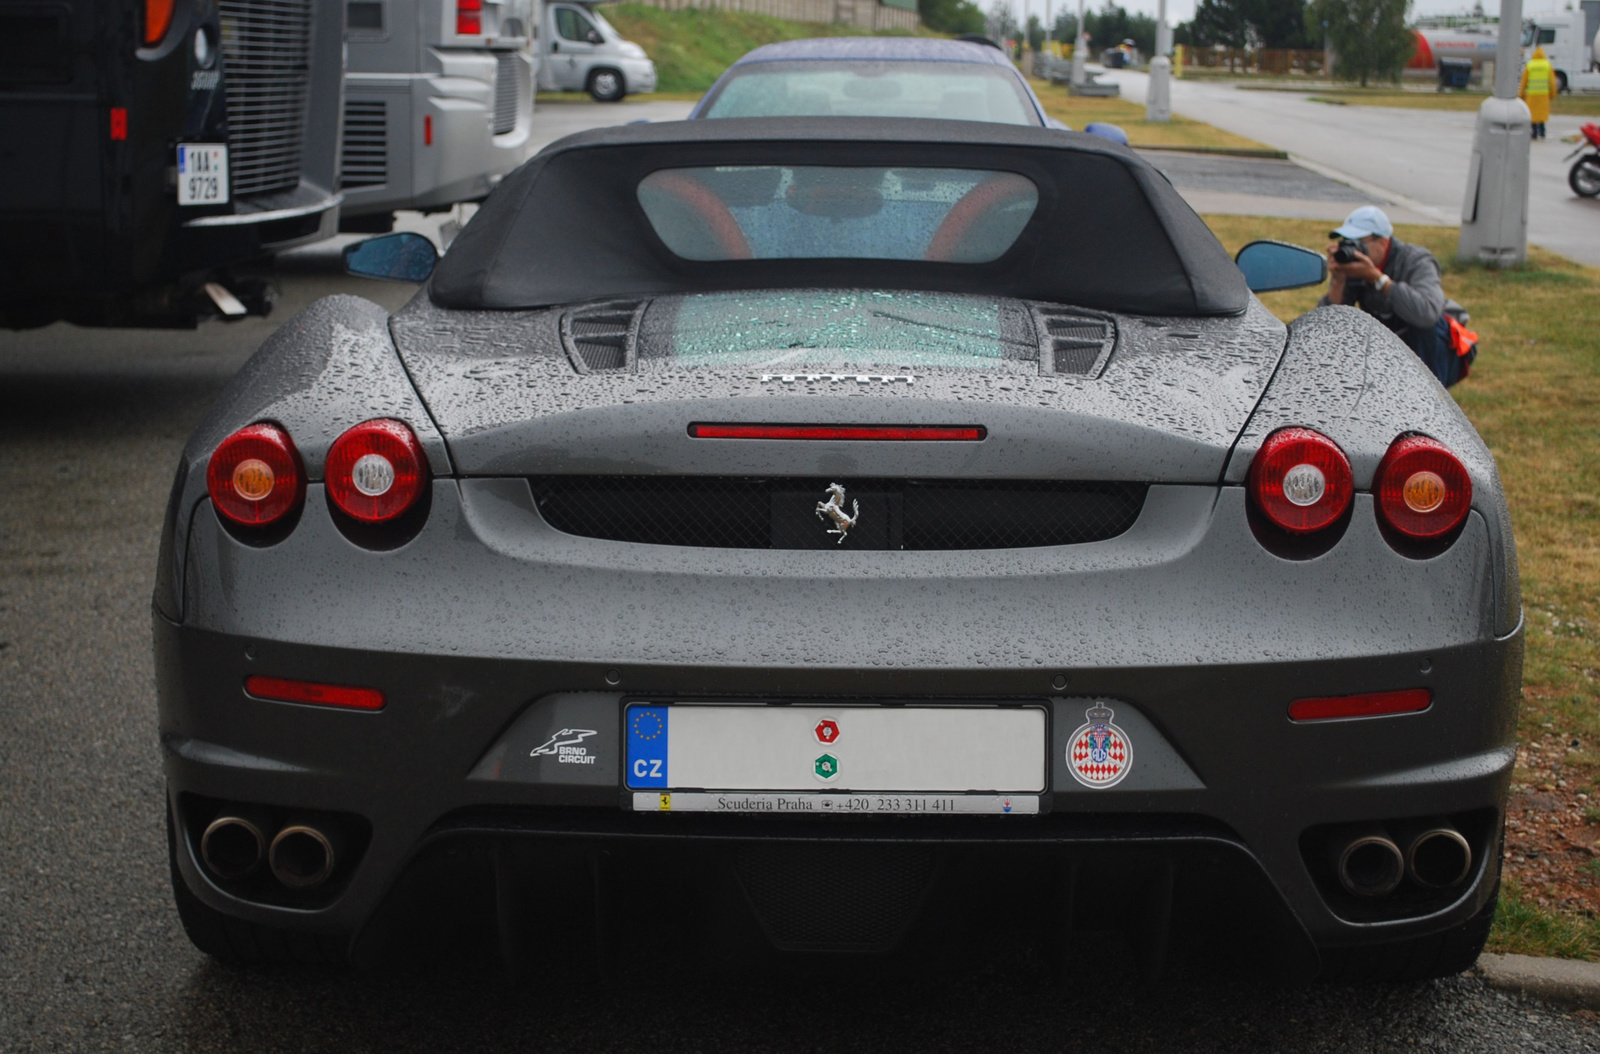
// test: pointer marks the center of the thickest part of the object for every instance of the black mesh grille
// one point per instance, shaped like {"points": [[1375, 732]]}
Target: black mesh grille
{"points": [[1071, 341], [602, 336], [780, 513], [836, 897]]}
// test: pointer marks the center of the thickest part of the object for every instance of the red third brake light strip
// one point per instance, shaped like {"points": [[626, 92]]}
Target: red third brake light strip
{"points": [[283, 690], [914, 433], [1370, 704]]}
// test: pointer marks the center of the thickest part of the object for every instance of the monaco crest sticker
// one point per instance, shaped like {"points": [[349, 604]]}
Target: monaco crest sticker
{"points": [[1099, 754]]}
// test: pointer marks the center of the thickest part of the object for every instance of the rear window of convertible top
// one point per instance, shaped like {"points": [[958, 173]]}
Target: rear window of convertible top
{"points": [[773, 212]]}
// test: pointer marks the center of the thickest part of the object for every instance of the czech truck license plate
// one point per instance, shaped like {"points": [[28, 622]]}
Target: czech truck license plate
{"points": [[202, 174], [927, 760]]}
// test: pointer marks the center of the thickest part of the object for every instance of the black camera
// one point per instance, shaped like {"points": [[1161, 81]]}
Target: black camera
{"points": [[1346, 251]]}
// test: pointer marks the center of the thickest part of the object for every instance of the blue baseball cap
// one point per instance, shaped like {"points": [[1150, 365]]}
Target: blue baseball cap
{"points": [[1366, 222]]}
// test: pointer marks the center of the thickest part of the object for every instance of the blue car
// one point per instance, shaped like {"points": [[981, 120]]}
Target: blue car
{"points": [[876, 77]]}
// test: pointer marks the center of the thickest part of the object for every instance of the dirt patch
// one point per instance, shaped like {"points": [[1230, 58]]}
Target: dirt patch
{"points": [[1553, 827]]}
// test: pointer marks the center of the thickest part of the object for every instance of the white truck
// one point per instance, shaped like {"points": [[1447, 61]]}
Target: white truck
{"points": [[580, 51], [1571, 41], [438, 103]]}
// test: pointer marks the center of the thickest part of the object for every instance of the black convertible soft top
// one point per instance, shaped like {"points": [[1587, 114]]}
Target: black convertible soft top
{"points": [[1109, 231]]}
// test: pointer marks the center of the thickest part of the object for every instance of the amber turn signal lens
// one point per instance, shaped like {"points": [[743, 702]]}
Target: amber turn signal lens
{"points": [[157, 19], [254, 476], [1423, 490]]}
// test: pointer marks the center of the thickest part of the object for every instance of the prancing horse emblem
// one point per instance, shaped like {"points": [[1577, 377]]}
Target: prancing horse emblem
{"points": [[833, 509]]}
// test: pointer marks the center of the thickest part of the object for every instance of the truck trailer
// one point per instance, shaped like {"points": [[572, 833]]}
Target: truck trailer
{"points": [[150, 146]]}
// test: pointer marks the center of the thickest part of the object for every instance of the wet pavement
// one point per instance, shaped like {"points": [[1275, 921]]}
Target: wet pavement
{"points": [[1415, 159]]}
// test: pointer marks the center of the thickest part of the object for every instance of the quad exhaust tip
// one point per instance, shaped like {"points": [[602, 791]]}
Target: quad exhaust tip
{"points": [[302, 856], [232, 846], [1438, 856], [1371, 865]]}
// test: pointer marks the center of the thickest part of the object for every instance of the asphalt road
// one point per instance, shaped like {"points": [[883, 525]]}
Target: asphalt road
{"points": [[91, 953], [1417, 157]]}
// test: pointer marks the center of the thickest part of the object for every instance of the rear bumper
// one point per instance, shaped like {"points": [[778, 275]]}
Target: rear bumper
{"points": [[439, 142], [475, 639]]}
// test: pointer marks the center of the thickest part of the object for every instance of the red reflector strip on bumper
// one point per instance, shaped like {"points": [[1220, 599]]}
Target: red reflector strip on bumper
{"points": [[1372, 704], [956, 433], [282, 690]]}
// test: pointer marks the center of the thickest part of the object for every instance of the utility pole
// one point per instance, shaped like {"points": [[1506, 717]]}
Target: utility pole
{"points": [[1158, 99], [1494, 214], [1078, 56]]}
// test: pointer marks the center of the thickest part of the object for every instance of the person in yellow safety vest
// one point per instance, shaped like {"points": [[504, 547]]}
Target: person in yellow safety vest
{"points": [[1538, 88]]}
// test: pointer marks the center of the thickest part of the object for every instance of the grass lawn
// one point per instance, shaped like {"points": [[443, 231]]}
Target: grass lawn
{"points": [[1349, 95], [692, 47], [1534, 396], [1078, 111]]}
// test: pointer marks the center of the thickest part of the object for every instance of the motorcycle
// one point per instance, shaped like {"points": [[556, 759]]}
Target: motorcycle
{"points": [[1584, 179]]}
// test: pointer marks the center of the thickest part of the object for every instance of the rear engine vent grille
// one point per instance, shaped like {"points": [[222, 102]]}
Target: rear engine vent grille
{"points": [[782, 513], [1073, 341], [266, 48], [366, 143], [602, 336], [836, 897], [507, 93]]}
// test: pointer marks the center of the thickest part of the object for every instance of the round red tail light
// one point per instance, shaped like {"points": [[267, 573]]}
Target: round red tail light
{"points": [[1300, 480], [376, 471], [254, 476], [1423, 489]]}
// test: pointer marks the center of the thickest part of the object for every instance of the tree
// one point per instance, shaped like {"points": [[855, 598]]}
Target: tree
{"points": [[1035, 33], [1002, 23], [951, 16], [1369, 37], [1248, 24], [1109, 26]]}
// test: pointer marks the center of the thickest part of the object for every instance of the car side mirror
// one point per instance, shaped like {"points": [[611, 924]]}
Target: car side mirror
{"points": [[595, 37], [403, 257], [1269, 266]]}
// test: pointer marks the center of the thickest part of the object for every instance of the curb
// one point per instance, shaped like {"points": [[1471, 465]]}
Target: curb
{"points": [[1566, 981], [1226, 151]]}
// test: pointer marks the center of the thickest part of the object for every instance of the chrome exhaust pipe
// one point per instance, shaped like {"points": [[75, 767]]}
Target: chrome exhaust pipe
{"points": [[1369, 864], [1437, 856], [303, 856], [233, 846]]}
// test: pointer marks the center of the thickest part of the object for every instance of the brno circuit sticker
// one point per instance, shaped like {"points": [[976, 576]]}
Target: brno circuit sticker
{"points": [[1099, 754]]}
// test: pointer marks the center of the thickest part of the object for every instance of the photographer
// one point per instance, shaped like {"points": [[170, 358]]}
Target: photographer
{"points": [[1396, 283]]}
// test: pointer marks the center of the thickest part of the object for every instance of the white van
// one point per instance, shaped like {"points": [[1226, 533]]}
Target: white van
{"points": [[580, 51], [438, 103]]}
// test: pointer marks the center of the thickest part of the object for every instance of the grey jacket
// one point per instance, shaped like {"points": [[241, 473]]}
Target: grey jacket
{"points": [[1413, 296]]}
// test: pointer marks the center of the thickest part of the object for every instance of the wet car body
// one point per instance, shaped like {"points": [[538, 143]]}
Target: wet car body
{"points": [[583, 556]]}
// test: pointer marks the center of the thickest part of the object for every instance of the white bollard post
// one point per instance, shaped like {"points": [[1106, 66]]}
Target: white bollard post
{"points": [[1494, 213], [1078, 57], [1158, 99]]}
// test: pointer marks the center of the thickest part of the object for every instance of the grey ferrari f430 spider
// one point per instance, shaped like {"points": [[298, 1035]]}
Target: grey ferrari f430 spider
{"points": [[838, 536]]}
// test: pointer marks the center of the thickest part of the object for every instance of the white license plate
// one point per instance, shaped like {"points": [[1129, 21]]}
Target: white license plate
{"points": [[837, 804], [916, 755], [202, 174]]}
